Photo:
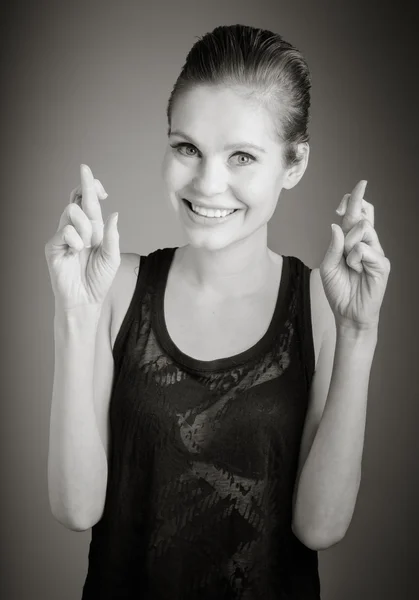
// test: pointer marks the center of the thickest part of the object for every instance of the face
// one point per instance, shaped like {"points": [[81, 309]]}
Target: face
{"points": [[222, 156]]}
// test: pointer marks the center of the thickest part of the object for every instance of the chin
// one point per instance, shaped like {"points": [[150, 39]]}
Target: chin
{"points": [[212, 242]]}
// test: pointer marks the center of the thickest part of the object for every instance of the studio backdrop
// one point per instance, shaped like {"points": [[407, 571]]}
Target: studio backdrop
{"points": [[88, 82]]}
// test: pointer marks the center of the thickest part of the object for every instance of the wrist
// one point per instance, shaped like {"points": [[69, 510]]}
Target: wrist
{"points": [[77, 318], [357, 333]]}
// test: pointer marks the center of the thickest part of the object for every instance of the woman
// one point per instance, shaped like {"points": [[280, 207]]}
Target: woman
{"points": [[237, 400]]}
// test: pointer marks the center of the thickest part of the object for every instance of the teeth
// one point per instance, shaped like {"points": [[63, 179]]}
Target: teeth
{"points": [[211, 212]]}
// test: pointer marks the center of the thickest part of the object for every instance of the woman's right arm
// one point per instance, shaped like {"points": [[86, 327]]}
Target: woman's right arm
{"points": [[83, 259], [77, 456]]}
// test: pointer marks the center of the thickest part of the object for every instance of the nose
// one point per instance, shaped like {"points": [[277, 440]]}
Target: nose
{"points": [[211, 179]]}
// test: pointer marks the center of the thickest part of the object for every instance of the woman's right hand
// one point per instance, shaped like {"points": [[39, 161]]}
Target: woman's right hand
{"points": [[83, 256]]}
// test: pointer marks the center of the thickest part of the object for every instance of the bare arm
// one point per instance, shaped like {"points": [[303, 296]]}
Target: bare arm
{"points": [[77, 457], [330, 476]]}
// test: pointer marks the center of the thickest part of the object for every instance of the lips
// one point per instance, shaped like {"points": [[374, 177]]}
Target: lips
{"points": [[207, 207], [198, 219]]}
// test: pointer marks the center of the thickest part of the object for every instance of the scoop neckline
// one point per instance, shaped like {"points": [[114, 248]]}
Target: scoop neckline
{"points": [[217, 364]]}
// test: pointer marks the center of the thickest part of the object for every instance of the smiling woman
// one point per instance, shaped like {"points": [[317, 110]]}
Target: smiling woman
{"points": [[212, 488], [207, 174], [225, 352]]}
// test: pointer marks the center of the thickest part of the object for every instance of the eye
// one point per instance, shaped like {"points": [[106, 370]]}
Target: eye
{"points": [[183, 145], [249, 158]]}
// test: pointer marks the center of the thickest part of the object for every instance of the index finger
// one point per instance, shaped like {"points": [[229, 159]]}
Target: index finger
{"points": [[90, 200], [354, 207]]}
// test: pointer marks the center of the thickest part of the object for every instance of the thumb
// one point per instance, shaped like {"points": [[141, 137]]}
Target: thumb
{"points": [[110, 242], [335, 251]]}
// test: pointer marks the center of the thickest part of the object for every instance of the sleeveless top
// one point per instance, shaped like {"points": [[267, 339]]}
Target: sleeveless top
{"points": [[203, 458]]}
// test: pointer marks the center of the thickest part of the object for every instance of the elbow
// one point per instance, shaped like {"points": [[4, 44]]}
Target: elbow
{"points": [[316, 540], [75, 520], [78, 528], [72, 524]]}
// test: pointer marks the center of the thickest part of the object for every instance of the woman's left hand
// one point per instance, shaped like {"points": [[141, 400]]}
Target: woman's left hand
{"points": [[355, 271]]}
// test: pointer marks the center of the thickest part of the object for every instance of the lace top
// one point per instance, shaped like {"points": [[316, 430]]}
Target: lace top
{"points": [[203, 458]]}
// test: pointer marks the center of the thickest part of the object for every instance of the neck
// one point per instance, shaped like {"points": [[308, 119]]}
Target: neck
{"points": [[240, 268]]}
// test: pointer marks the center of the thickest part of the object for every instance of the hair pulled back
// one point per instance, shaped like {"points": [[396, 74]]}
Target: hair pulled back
{"points": [[262, 63]]}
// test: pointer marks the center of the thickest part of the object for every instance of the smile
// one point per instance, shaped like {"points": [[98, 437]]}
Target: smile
{"points": [[211, 213], [206, 216]]}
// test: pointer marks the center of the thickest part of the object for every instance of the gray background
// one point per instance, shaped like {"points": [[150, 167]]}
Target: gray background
{"points": [[88, 82]]}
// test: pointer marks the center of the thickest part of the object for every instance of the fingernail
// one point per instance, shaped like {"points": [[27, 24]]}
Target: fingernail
{"points": [[339, 209], [104, 193]]}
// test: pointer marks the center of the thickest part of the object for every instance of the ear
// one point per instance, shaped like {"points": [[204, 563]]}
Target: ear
{"points": [[294, 173]]}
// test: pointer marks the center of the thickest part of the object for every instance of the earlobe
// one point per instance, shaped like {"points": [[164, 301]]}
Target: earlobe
{"points": [[294, 175], [289, 182], [296, 172]]}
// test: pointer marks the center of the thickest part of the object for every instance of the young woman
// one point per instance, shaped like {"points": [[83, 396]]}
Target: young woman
{"points": [[208, 409]]}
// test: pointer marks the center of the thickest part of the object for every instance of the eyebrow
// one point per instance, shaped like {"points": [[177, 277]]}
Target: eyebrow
{"points": [[228, 147]]}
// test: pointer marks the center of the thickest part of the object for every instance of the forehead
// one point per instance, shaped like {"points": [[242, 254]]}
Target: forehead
{"points": [[221, 115]]}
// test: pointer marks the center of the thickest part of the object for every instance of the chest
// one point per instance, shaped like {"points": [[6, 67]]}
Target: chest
{"points": [[208, 328]]}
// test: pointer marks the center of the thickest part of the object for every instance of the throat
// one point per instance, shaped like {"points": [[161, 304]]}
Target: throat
{"points": [[206, 273]]}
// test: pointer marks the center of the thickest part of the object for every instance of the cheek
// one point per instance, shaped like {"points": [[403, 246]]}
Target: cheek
{"points": [[257, 189], [175, 174]]}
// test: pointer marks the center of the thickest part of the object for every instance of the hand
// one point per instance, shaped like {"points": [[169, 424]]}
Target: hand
{"points": [[354, 270], [83, 256]]}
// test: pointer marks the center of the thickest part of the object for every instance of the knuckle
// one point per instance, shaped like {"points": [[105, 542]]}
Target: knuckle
{"points": [[72, 210], [88, 228], [69, 209], [89, 185], [77, 211], [365, 224]]}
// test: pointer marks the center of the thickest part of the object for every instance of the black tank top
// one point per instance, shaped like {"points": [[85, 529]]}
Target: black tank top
{"points": [[203, 458]]}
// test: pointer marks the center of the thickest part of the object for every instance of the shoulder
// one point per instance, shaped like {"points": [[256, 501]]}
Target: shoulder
{"points": [[320, 298], [322, 316], [125, 279], [130, 265], [124, 284], [323, 319], [130, 261], [129, 270]]}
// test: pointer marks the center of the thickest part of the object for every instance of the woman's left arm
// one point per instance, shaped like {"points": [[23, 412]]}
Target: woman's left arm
{"points": [[354, 275], [329, 480]]}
